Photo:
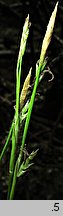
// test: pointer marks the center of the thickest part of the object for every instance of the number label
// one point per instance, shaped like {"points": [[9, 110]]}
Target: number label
{"points": [[56, 206]]}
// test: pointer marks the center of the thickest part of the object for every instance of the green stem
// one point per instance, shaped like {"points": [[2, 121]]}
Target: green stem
{"points": [[12, 162], [7, 142], [12, 157], [11, 196], [9, 185], [16, 124]]}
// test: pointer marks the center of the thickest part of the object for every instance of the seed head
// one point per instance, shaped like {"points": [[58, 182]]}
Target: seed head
{"points": [[48, 34], [25, 34], [25, 88]]}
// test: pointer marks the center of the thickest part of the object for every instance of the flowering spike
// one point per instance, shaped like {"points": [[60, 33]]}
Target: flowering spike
{"points": [[24, 91], [48, 34], [24, 36]]}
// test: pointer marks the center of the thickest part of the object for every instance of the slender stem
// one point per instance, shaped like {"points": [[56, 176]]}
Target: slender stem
{"points": [[16, 124], [9, 185], [7, 142], [12, 157], [12, 162], [18, 78], [11, 196]]}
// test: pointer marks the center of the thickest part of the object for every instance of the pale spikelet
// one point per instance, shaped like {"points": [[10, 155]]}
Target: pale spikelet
{"points": [[48, 34], [25, 88], [25, 34]]}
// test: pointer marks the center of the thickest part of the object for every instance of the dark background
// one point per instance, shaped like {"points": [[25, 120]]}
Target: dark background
{"points": [[45, 179]]}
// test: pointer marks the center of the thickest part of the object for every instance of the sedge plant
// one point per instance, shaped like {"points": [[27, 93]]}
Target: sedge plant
{"points": [[23, 108]]}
